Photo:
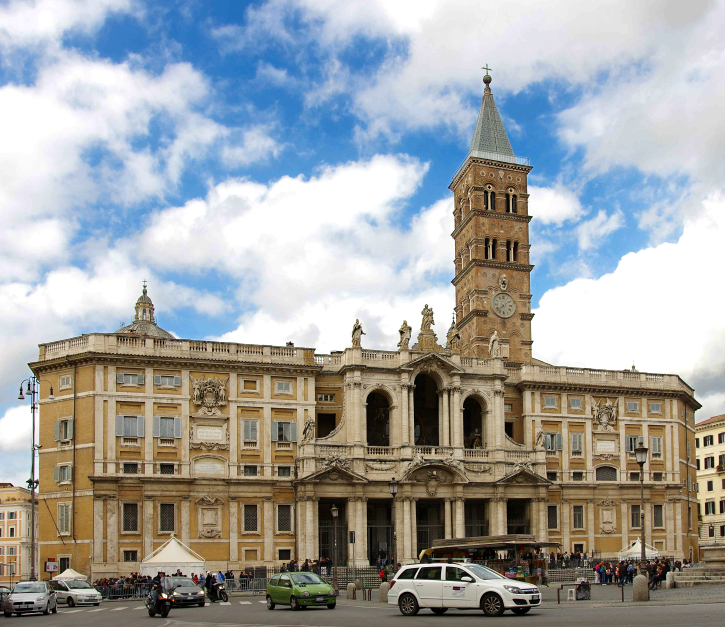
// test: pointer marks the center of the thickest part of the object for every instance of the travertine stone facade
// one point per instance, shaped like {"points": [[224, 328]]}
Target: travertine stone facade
{"points": [[243, 449], [15, 521], [710, 451]]}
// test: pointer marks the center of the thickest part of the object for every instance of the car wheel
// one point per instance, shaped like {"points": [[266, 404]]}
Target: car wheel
{"points": [[8, 614], [70, 602], [520, 611], [55, 608], [294, 604], [201, 603], [408, 605], [96, 604], [270, 603], [439, 610], [46, 611], [492, 605], [331, 606]]}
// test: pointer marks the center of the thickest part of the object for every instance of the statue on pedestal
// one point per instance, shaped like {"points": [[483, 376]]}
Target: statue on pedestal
{"points": [[357, 333], [405, 330], [494, 345], [428, 321]]}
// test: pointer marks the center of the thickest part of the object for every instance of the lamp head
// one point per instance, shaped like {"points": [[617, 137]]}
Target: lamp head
{"points": [[20, 396], [334, 511], [50, 396], [29, 389], [393, 486], [640, 454]]}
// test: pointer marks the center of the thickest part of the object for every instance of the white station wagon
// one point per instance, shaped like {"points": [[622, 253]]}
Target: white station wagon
{"points": [[459, 586]]}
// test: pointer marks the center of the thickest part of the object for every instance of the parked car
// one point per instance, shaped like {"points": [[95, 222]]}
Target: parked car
{"points": [[460, 586], [186, 592], [32, 596], [300, 590], [75, 592], [5, 604]]}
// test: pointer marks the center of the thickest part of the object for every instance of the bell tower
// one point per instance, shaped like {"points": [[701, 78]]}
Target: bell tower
{"points": [[491, 235]]}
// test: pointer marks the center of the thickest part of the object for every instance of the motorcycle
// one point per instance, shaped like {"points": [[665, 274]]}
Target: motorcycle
{"points": [[162, 606], [217, 592]]}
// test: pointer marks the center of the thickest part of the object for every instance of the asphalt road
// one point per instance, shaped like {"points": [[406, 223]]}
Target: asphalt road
{"points": [[251, 612]]}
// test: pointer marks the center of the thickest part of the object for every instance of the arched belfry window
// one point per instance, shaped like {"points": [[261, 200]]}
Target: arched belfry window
{"points": [[512, 251], [489, 198], [606, 473], [511, 201]]}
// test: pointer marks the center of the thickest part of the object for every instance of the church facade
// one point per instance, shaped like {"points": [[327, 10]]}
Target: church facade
{"points": [[242, 450]]}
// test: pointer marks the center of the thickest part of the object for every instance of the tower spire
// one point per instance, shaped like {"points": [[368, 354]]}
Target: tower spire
{"points": [[490, 139]]}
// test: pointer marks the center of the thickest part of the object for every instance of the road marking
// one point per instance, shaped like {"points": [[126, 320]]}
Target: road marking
{"points": [[224, 603], [118, 609], [102, 609], [245, 602], [139, 608], [72, 611], [261, 601]]}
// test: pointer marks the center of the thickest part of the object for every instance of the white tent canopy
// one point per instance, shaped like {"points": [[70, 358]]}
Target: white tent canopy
{"points": [[69, 573], [170, 556], [634, 551]]}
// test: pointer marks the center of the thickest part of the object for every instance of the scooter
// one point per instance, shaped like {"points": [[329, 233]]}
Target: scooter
{"points": [[217, 592], [162, 605]]}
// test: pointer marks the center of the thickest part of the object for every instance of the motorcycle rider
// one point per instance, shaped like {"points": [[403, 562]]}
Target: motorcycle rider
{"points": [[156, 586], [209, 583]]}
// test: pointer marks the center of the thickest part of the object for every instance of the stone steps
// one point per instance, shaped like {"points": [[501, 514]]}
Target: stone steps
{"points": [[704, 577]]}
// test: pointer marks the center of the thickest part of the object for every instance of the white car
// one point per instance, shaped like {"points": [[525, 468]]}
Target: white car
{"points": [[75, 592], [31, 596], [460, 586]]}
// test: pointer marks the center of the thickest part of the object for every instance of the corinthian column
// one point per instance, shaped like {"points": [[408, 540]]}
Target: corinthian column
{"points": [[446, 441], [456, 418], [404, 429]]}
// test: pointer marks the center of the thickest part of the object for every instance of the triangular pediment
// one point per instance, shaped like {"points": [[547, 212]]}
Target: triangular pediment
{"points": [[436, 360], [523, 474], [335, 473]]}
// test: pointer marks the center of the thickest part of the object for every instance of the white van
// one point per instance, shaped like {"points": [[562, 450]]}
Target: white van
{"points": [[75, 592], [460, 586]]}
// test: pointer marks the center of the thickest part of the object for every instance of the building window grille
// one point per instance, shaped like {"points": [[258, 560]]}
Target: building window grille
{"points": [[553, 517], [285, 555], [552, 475], [284, 471], [130, 517], [130, 468], [130, 556], [656, 476], [658, 518], [166, 469], [250, 471], [166, 517], [606, 473], [284, 518], [577, 476], [250, 518]]}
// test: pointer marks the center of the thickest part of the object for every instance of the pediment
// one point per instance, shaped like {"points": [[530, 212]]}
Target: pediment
{"points": [[523, 474], [335, 474], [434, 361]]}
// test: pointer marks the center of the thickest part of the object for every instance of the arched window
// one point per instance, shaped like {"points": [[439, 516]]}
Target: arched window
{"points": [[606, 473], [378, 426], [516, 252], [487, 248], [511, 201], [489, 198], [494, 246]]}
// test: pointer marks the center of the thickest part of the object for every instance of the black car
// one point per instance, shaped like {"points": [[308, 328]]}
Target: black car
{"points": [[186, 592]]}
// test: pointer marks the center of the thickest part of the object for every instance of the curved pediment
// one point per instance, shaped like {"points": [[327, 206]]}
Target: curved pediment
{"points": [[448, 468]]}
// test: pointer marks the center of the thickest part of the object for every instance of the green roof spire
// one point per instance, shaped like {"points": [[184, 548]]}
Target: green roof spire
{"points": [[490, 135]]}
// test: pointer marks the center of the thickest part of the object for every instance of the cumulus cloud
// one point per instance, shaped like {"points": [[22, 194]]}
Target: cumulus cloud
{"points": [[641, 312], [593, 233], [554, 205]]}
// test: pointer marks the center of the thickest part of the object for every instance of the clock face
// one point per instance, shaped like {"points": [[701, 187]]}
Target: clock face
{"points": [[503, 304]]}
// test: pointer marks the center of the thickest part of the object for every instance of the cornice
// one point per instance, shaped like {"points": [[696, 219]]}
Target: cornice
{"points": [[487, 213], [500, 165], [490, 263]]}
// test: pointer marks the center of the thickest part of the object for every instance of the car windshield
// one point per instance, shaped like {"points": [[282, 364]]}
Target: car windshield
{"points": [[302, 579], [482, 572], [182, 582], [78, 585], [31, 587]]}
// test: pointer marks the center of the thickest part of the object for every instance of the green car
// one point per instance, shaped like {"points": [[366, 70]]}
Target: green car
{"points": [[299, 590]]}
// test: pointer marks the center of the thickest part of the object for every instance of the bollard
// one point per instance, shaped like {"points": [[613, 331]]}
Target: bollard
{"points": [[670, 581], [351, 591], [358, 584], [384, 587]]}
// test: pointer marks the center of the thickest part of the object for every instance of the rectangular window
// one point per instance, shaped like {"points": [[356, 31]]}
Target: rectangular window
{"points": [[697, 463], [250, 518], [632, 407], [708, 440], [634, 476], [166, 469], [575, 403], [577, 476], [285, 555], [553, 441], [167, 517], [130, 426], [130, 468], [11, 532], [130, 517], [251, 428], [721, 438], [167, 380], [64, 518], [631, 442], [710, 486], [508, 408], [656, 446], [63, 474], [576, 443], [709, 508], [65, 381], [325, 398], [284, 431], [130, 556], [658, 516], [166, 427], [284, 471], [552, 475], [13, 515], [250, 385], [65, 430], [283, 387], [551, 402], [126, 378], [11, 550], [635, 517], [284, 518], [721, 462], [250, 471], [722, 506], [697, 442], [553, 517], [578, 517], [655, 407], [657, 476], [687, 447], [2, 515], [709, 462]]}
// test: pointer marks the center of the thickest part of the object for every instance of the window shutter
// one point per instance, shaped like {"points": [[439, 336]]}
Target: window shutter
{"points": [[70, 429], [275, 431], [119, 377], [140, 426], [140, 379], [157, 379], [56, 431], [177, 381], [177, 427], [56, 474], [247, 431], [119, 426], [293, 432], [70, 473], [558, 442], [157, 426]]}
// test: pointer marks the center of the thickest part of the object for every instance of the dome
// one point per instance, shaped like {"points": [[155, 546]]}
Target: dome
{"points": [[144, 322]]}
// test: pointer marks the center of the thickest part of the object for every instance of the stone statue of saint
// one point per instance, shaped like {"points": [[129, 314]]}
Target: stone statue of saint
{"points": [[405, 331], [427, 318], [494, 345], [308, 433], [357, 333], [454, 336]]}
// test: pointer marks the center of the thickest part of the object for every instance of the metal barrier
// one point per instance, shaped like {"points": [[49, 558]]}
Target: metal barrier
{"points": [[124, 591]]}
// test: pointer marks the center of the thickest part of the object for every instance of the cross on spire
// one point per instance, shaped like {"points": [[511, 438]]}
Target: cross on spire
{"points": [[145, 282], [485, 67]]}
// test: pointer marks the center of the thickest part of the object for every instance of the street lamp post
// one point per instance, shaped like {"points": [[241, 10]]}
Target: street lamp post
{"points": [[393, 487], [640, 454], [33, 390], [334, 512]]}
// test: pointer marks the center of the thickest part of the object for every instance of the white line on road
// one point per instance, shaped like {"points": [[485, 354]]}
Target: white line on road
{"points": [[102, 609], [224, 603], [245, 602], [118, 609], [140, 608], [261, 601], [71, 611]]}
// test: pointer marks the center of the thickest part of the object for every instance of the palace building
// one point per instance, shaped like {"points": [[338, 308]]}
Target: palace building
{"points": [[241, 450]]}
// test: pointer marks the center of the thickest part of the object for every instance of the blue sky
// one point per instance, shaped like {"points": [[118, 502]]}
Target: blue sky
{"points": [[277, 169]]}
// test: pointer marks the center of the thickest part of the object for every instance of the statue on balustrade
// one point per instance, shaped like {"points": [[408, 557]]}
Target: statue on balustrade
{"points": [[357, 333], [428, 321], [405, 331], [494, 345], [474, 440]]}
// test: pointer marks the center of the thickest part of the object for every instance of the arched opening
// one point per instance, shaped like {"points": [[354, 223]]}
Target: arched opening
{"points": [[472, 423], [378, 420], [606, 473], [426, 411]]}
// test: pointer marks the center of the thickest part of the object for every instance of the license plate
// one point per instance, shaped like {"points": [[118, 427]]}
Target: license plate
{"points": [[319, 598], [535, 598]]}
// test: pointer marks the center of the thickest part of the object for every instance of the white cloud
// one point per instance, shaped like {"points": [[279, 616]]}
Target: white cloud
{"points": [[15, 425], [554, 205], [593, 233], [653, 309]]}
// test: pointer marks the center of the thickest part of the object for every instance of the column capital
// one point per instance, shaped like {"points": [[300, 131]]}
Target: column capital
{"points": [[456, 389], [460, 499]]}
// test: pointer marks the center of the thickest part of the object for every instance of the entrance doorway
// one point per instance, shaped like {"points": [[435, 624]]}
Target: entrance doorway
{"points": [[426, 411], [327, 531], [518, 516], [476, 520], [429, 521], [380, 531]]}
